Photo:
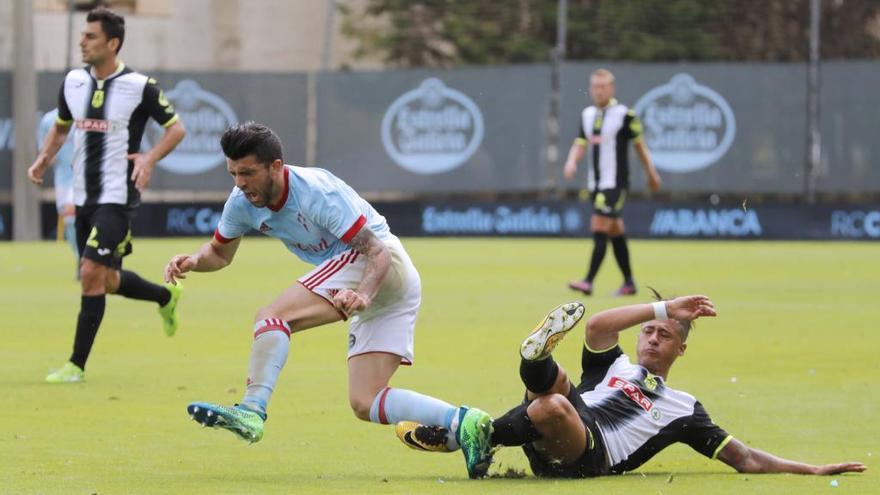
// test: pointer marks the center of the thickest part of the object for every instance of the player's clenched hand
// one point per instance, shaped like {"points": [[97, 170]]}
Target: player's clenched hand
{"points": [[179, 265], [349, 301], [844, 467], [142, 170], [690, 307], [36, 170]]}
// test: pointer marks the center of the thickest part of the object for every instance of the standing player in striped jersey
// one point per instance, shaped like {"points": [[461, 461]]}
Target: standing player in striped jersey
{"points": [[109, 105], [362, 274], [607, 127], [621, 414]]}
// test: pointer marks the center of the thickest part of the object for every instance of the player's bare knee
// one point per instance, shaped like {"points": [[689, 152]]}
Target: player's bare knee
{"points": [[551, 408], [111, 281], [265, 312], [360, 406], [91, 277]]}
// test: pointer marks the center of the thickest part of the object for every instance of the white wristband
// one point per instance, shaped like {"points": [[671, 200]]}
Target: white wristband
{"points": [[660, 310]]}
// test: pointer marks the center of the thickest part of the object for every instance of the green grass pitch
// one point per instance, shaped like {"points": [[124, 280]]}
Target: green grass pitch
{"points": [[791, 365]]}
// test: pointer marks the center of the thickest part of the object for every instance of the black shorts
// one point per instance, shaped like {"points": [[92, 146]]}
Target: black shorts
{"points": [[608, 202], [103, 233], [591, 463]]}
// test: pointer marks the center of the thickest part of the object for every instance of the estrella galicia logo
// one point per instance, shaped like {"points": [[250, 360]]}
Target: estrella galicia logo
{"points": [[688, 126], [432, 129], [206, 116]]}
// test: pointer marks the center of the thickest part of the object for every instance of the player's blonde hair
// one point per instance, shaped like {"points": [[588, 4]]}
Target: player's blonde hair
{"points": [[604, 73]]}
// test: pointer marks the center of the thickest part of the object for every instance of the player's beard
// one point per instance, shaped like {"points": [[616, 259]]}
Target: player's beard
{"points": [[263, 194]]}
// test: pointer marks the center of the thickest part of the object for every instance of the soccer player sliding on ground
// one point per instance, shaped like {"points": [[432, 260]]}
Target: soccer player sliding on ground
{"points": [[621, 414]]}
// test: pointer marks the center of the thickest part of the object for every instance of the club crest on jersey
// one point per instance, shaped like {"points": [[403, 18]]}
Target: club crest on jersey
{"points": [[98, 98], [264, 228], [633, 393]]}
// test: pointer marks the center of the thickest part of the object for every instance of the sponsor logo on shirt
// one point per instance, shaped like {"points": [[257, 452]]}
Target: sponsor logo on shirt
{"points": [[315, 248], [432, 129], [206, 115], [98, 125], [633, 392], [688, 126]]}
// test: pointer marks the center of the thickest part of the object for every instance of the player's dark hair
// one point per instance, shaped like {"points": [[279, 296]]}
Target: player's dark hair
{"points": [[251, 138], [112, 24], [684, 326]]}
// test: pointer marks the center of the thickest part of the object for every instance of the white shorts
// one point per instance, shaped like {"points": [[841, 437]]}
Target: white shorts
{"points": [[389, 324]]}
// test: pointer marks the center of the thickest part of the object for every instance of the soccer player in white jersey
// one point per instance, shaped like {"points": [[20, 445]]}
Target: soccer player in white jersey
{"points": [[621, 414], [362, 274], [108, 104]]}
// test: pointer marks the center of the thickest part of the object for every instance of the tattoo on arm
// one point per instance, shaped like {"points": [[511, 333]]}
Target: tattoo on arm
{"points": [[378, 261], [364, 241]]}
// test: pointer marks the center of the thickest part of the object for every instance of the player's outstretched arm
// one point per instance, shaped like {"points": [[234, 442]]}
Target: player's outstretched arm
{"points": [[378, 262], [748, 460], [212, 256], [603, 327]]}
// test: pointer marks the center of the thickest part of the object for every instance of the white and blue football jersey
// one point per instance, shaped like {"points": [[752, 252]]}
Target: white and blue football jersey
{"points": [[317, 217]]}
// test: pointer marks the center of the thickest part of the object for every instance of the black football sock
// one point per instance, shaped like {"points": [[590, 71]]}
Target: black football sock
{"points": [[132, 286], [600, 243], [514, 428], [91, 312], [539, 376], [621, 253]]}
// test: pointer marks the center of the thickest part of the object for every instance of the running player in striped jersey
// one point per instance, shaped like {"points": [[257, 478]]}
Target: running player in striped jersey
{"points": [[363, 275], [108, 105], [621, 414]]}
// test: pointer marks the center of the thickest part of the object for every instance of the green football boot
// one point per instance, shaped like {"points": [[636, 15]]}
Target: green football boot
{"points": [[544, 338], [169, 311], [244, 422], [474, 435], [69, 373]]}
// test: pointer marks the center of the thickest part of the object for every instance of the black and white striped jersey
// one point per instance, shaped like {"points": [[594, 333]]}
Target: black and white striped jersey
{"points": [[638, 415], [608, 132], [109, 117]]}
